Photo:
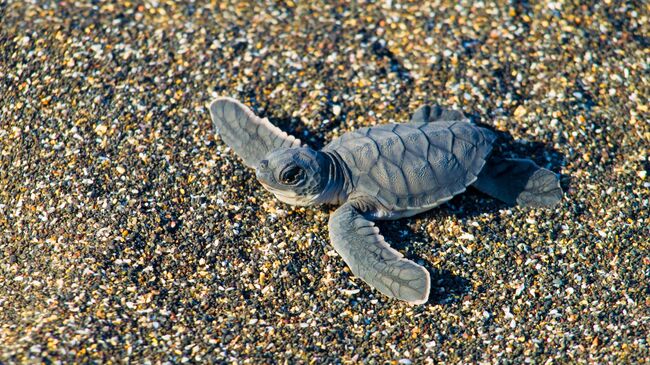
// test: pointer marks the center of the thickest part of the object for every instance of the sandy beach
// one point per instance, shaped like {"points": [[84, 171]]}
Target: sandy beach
{"points": [[129, 232]]}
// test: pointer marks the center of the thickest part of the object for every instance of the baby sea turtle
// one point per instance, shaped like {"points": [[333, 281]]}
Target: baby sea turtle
{"points": [[388, 171]]}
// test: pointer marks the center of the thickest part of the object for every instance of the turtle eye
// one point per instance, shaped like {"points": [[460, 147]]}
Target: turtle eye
{"points": [[291, 175]]}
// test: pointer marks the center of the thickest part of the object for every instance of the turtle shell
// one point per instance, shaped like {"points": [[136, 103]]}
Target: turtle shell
{"points": [[412, 167]]}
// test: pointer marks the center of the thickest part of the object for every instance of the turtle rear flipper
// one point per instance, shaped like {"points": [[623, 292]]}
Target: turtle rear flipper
{"points": [[521, 182], [436, 113], [369, 257]]}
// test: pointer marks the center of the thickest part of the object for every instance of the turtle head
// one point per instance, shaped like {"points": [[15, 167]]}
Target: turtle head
{"points": [[296, 176]]}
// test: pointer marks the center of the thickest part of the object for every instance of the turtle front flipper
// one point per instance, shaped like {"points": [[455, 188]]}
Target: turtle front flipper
{"points": [[436, 113], [249, 136], [369, 257]]}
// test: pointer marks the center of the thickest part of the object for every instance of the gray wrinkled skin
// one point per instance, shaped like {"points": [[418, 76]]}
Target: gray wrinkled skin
{"points": [[383, 172]]}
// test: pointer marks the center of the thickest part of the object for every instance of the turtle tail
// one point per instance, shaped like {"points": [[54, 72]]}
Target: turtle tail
{"points": [[519, 181]]}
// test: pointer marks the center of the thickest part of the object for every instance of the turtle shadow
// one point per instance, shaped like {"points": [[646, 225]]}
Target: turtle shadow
{"points": [[446, 287], [543, 154]]}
